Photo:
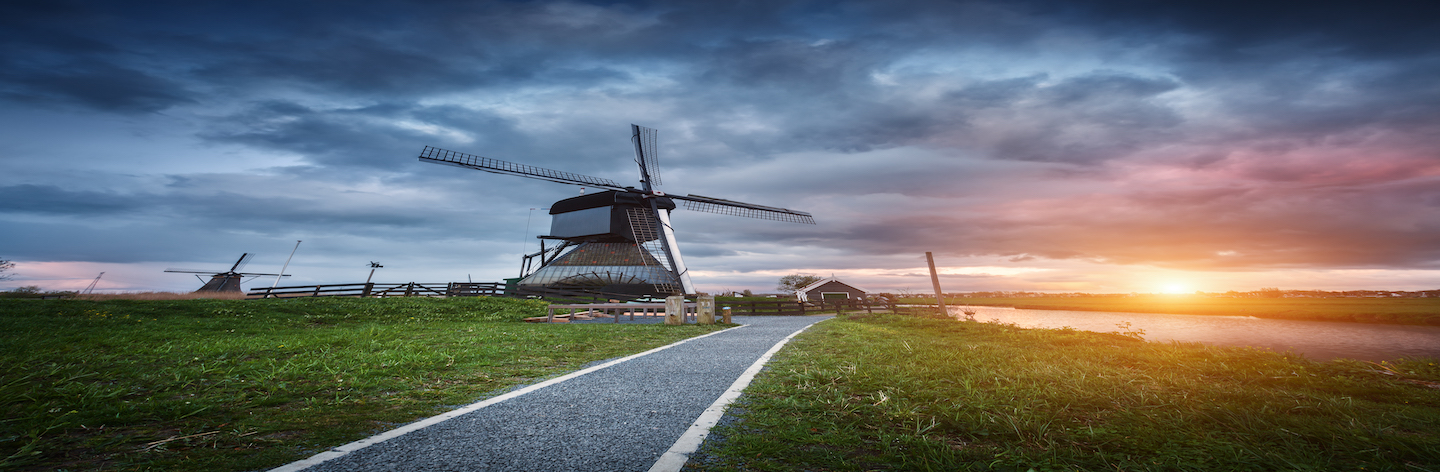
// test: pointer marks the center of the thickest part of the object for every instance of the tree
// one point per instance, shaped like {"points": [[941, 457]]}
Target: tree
{"points": [[5, 266], [794, 282]]}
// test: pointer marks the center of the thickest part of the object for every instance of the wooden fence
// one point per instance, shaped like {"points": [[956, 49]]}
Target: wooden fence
{"points": [[451, 289], [490, 289], [782, 307], [374, 290]]}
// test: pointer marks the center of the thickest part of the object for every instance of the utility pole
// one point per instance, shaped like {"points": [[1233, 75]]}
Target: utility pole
{"points": [[935, 280]]}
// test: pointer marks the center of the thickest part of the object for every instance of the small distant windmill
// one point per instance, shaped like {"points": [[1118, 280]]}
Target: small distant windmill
{"points": [[620, 239], [227, 280], [373, 265]]}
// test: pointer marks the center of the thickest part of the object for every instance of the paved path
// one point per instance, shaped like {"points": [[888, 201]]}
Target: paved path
{"points": [[619, 418]]}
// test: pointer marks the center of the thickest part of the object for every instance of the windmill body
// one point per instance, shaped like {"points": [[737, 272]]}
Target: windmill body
{"points": [[613, 243], [618, 240]]}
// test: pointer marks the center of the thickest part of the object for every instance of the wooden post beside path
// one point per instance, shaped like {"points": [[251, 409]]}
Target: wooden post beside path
{"points": [[675, 310], [705, 310]]}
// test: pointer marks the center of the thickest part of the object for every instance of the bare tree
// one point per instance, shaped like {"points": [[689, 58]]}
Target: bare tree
{"points": [[5, 266], [794, 282]]}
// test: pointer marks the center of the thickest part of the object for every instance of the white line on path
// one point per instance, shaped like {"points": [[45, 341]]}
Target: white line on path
{"points": [[675, 458], [401, 431]]}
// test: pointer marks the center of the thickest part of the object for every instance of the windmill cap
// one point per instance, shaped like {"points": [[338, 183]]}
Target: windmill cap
{"points": [[605, 199]]}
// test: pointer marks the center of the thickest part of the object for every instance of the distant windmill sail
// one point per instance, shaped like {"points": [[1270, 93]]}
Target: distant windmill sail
{"points": [[606, 232]]}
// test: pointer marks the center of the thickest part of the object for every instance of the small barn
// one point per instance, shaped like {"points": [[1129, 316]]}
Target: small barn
{"points": [[827, 289]]}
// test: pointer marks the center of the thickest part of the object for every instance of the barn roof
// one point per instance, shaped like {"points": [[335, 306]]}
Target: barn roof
{"points": [[815, 285]]}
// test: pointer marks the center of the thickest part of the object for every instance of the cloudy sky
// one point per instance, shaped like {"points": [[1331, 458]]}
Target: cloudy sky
{"points": [[1101, 146]]}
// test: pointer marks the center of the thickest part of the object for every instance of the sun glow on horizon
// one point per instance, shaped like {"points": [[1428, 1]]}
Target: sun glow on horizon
{"points": [[1175, 288]]}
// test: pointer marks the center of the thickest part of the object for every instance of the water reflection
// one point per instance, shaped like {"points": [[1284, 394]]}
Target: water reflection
{"points": [[1318, 340]]}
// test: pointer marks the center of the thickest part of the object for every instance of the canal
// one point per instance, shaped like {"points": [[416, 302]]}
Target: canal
{"points": [[1317, 340]]}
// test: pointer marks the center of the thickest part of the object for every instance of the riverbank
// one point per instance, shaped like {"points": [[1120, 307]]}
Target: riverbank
{"points": [[1417, 311], [905, 393], [252, 384]]}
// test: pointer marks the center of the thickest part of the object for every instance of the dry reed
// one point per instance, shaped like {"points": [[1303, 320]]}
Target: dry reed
{"points": [[162, 296]]}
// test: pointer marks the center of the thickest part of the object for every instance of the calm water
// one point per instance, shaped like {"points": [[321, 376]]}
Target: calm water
{"points": [[1318, 340]]}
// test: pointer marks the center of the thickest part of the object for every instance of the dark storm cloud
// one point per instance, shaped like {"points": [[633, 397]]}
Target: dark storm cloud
{"points": [[1236, 28], [234, 210], [49, 57], [1083, 119], [50, 199], [339, 137], [99, 85], [1187, 134], [388, 136]]}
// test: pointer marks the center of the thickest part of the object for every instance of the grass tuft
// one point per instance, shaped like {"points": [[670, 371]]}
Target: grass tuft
{"points": [[245, 385], [904, 393], [161, 296]]}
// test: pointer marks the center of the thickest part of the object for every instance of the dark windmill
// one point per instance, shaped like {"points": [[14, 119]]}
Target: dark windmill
{"points": [[618, 240], [224, 281]]}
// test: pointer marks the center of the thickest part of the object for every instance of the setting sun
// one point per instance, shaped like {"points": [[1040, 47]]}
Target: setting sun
{"points": [[1175, 289]]}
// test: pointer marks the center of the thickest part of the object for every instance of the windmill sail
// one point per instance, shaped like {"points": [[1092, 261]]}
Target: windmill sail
{"points": [[647, 154], [748, 210], [471, 161]]}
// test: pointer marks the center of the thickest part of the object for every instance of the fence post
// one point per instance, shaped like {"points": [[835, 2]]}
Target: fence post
{"points": [[675, 309], [802, 307], [726, 316], [705, 310], [409, 288], [368, 287]]}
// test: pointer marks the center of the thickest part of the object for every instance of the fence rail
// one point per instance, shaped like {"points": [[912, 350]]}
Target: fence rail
{"points": [[451, 289], [781, 307], [376, 290], [491, 289]]}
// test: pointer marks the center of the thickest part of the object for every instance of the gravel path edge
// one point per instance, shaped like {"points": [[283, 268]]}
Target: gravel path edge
{"points": [[675, 458], [343, 450]]}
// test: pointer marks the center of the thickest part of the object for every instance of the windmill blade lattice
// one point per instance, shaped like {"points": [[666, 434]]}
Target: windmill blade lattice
{"points": [[646, 231], [240, 264], [471, 161], [648, 154], [748, 210]]}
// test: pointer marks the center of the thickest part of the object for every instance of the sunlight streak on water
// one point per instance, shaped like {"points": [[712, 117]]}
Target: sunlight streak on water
{"points": [[1317, 340]]}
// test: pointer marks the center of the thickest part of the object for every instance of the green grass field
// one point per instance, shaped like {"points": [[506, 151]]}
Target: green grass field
{"points": [[246, 385], [887, 392], [1421, 311]]}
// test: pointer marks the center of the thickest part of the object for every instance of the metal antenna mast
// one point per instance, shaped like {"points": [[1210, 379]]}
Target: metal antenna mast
{"points": [[91, 288]]}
